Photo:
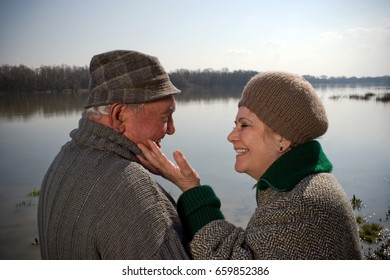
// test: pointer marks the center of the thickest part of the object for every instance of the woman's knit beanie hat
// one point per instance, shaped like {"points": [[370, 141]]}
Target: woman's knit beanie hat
{"points": [[130, 77], [288, 104]]}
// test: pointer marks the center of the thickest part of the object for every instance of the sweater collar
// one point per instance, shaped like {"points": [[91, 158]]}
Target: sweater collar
{"points": [[293, 166], [96, 135]]}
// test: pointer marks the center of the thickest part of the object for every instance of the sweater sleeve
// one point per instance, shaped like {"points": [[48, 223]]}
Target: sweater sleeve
{"points": [[197, 207], [211, 236]]}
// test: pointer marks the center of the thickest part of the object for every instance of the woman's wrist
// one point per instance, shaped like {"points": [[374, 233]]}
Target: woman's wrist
{"points": [[190, 185], [197, 207]]}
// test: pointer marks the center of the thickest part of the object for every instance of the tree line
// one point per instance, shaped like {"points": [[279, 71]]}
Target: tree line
{"points": [[22, 79]]}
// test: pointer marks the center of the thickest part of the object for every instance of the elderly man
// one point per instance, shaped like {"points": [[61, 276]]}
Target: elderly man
{"points": [[97, 201]]}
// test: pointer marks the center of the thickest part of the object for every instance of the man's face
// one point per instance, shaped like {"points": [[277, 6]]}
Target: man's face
{"points": [[151, 121]]}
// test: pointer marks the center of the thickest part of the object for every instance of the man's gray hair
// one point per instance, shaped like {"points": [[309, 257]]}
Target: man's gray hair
{"points": [[97, 112]]}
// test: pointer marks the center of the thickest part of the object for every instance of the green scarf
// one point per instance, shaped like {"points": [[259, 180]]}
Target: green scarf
{"points": [[293, 166]]}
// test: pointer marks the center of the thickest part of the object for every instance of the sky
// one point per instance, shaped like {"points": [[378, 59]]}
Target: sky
{"points": [[313, 37]]}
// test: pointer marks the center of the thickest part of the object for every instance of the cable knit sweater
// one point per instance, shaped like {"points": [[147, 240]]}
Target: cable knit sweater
{"points": [[302, 213], [97, 202]]}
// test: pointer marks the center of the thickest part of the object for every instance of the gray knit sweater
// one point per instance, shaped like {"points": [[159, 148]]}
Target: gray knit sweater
{"points": [[97, 202]]}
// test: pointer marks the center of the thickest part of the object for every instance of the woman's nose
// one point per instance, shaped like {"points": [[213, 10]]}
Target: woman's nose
{"points": [[233, 136]]}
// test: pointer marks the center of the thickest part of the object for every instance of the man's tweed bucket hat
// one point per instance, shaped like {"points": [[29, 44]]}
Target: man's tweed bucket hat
{"points": [[129, 77]]}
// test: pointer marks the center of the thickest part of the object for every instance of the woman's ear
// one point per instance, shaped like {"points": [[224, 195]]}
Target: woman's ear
{"points": [[116, 117], [284, 144]]}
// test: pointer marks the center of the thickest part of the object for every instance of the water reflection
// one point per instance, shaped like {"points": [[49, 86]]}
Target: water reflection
{"points": [[209, 94], [384, 98], [25, 106], [15, 106], [62, 104]]}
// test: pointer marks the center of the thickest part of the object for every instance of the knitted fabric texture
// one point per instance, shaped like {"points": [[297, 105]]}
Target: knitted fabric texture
{"points": [[127, 77], [197, 207], [97, 203], [288, 104]]}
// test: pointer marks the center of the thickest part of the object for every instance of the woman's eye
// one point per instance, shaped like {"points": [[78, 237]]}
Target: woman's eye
{"points": [[240, 126]]}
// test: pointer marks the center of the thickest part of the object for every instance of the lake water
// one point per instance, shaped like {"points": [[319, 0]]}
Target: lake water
{"points": [[34, 127]]}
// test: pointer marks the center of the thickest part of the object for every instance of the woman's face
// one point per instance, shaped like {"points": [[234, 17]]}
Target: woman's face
{"points": [[255, 143]]}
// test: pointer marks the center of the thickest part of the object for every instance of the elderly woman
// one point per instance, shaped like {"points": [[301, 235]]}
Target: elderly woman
{"points": [[302, 211]]}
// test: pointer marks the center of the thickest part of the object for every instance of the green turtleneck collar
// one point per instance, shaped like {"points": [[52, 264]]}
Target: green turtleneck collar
{"points": [[293, 166]]}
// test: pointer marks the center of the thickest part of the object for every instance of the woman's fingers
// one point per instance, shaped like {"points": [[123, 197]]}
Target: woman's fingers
{"points": [[182, 162], [182, 175], [155, 161], [148, 155], [189, 177], [145, 163], [161, 160]]}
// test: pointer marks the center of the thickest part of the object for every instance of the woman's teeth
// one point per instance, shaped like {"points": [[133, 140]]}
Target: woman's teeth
{"points": [[241, 151]]}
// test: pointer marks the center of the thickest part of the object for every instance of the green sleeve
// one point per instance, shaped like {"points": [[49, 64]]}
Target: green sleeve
{"points": [[197, 207]]}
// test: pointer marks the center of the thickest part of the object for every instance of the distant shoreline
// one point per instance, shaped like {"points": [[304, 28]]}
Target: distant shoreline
{"points": [[64, 78]]}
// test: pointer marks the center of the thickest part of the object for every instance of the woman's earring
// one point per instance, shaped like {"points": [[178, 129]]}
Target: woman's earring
{"points": [[281, 150]]}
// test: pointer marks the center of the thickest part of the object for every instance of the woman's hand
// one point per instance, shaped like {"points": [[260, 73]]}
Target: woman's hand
{"points": [[182, 174]]}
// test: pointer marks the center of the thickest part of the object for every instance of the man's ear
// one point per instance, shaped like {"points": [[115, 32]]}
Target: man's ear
{"points": [[116, 117]]}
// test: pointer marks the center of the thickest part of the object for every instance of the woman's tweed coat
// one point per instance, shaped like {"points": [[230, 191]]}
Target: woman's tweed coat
{"points": [[309, 219], [98, 203]]}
